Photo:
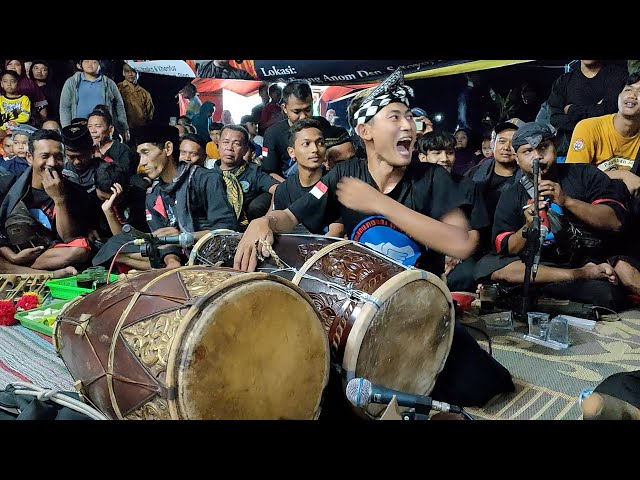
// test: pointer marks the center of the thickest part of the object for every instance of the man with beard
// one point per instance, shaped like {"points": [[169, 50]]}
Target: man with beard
{"points": [[585, 209], [42, 221], [409, 211]]}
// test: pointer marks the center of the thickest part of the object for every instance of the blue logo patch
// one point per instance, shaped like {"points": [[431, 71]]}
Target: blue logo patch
{"points": [[385, 237]]}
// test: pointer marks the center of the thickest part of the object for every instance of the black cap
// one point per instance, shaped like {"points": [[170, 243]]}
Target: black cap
{"points": [[501, 127], [335, 135], [158, 133], [77, 137], [532, 133]]}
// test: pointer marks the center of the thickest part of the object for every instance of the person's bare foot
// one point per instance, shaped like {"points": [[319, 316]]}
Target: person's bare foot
{"points": [[64, 272], [602, 271]]}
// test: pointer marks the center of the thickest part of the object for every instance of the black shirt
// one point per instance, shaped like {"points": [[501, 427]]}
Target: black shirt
{"points": [[493, 191], [276, 141], [208, 204], [121, 154], [289, 191], [580, 181], [253, 181], [425, 188]]}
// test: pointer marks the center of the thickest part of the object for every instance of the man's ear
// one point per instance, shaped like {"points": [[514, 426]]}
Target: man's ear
{"points": [[422, 157], [291, 151], [29, 158], [364, 131]]}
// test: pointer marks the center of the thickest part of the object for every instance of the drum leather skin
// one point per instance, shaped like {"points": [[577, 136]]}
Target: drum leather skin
{"points": [[196, 343]]}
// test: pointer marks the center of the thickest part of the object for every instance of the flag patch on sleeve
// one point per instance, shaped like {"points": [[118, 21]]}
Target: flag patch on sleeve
{"points": [[265, 151], [318, 190]]}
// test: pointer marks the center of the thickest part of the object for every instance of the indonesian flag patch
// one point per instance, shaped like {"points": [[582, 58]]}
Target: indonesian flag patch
{"points": [[318, 190], [265, 151]]}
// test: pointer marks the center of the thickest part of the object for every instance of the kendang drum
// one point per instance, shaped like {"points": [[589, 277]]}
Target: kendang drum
{"points": [[385, 322], [196, 343]]}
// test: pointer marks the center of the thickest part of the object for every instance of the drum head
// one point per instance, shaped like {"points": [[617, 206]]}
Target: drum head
{"points": [[406, 342], [257, 350]]}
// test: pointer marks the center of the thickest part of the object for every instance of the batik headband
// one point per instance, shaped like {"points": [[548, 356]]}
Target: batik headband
{"points": [[392, 89]]}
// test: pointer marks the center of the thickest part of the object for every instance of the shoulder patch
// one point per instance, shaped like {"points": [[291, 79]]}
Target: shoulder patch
{"points": [[578, 144]]}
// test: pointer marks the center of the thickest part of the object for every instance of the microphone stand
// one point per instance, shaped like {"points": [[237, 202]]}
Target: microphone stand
{"points": [[147, 249], [533, 245]]}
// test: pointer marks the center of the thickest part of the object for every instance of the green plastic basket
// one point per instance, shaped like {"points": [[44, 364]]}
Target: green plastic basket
{"points": [[67, 288], [37, 324]]}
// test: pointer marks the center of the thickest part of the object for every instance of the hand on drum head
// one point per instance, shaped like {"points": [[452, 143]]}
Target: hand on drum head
{"points": [[246, 257]]}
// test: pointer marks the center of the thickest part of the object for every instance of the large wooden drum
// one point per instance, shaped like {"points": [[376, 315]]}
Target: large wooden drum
{"points": [[386, 323], [197, 343]]}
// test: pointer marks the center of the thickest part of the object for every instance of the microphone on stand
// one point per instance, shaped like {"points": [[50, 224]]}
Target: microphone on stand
{"points": [[538, 223], [184, 239], [361, 392]]}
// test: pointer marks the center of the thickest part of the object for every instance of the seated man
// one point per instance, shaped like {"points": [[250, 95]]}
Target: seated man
{"points": [[245, 181], [399, 208], [100, 126], [439, 148], [192, 149], [183, 198], [306, 145], [42, 218], [80, 163], [585, 210], [213, 153]]}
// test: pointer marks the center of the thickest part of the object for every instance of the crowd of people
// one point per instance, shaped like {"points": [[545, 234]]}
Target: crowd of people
{"points": [[81, 162]]}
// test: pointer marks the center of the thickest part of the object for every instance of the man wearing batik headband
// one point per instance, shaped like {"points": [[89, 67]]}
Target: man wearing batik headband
{"points": [[408, 211]]}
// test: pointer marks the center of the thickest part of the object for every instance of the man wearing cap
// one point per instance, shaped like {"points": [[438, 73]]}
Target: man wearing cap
{"points": [[612, 142], [80, 163], [585, 210], [42, 217], [183, 198], [408, 211]]}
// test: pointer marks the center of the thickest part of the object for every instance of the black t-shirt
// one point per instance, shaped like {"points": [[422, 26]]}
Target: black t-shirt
{"points": [[493, 191], [121, 154], [425, 188], [579, 181], [289, 191], [276, 141], [253, 181]]}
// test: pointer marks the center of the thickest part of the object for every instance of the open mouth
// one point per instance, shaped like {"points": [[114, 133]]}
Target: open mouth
{"points": [[404, 146]]}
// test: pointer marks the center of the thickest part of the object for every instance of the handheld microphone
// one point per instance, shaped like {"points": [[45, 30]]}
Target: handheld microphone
{"points": [[361, 392], [184, 239]]}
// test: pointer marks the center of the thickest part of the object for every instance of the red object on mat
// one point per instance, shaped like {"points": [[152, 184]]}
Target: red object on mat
{"points": [[464, 300], [7, 312]]}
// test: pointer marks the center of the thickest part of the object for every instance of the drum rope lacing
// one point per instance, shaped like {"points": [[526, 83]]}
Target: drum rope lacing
{"points": [[44, 394]]}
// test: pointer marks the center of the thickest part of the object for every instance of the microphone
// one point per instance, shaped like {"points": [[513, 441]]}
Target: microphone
{"points": [[185, 239], [361, 392]]}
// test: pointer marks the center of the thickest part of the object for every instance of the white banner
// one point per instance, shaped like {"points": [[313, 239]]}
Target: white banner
{"points": [[175, 68]]}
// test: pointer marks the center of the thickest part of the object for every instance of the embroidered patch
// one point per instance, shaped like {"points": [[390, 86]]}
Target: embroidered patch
{"points": [[578, 145]]}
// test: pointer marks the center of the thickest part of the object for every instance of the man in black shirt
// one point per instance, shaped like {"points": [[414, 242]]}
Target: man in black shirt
{"points": [[439, 148], [41, 218], [245, 181], [307, 146], [399, 208], [590, 90], [586, 209], [297, 105], [80, 163]]}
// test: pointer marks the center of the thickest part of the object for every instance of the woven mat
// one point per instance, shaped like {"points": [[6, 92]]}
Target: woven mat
{"points": [[27, 356], [549, 381]]}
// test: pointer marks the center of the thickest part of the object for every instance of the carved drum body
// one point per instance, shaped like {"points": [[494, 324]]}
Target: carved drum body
{"points": [[389, 324], [196, 343]]}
